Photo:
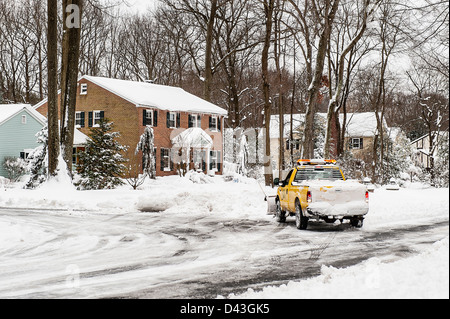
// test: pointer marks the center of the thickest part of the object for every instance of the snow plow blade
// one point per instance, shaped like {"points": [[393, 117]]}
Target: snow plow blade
{"points": [[271, 204]]}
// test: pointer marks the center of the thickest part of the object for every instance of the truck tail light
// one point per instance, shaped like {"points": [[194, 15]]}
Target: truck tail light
{"points": [[367, 196], [308, 197]]}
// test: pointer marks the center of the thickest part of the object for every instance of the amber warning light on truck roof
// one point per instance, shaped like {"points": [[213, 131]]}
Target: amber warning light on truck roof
{"points": [[316, 161]]}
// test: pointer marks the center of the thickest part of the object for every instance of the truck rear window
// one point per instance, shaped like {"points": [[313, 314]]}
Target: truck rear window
{"points": [[330, 174]]}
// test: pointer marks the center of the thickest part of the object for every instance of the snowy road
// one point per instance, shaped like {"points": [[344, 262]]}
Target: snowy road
{"points": [[53, 254]]}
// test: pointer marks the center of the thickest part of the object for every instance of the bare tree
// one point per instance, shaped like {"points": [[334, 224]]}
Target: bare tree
{"points": [[204, 14], [364, 12], [236, 40], [431, 93], [315, 20]]}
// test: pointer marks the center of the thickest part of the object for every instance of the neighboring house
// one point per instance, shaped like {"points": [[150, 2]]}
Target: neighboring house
{"points": [[421, 148], [19, 124], [360, 133], [169, 110]]}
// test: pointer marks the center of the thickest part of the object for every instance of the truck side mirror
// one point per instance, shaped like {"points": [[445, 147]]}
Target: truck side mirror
{"points": [[276, 181]]}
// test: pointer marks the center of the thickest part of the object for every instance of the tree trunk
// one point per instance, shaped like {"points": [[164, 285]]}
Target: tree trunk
{"points": [[69, 80], [277, 52], [268, 10], [52, 65], [313, 90], [208, 51]]}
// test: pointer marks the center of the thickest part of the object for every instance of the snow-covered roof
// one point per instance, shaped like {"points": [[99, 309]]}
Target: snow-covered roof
{"points": [[193, 137], [434, 133], [361, 124], [7, 111], [358, 124], [79, 138], [162, 97], [297, 120]]}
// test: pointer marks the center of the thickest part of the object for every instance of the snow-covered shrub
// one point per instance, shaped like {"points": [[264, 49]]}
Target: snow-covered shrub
{"points": [[133, 171], [15, 167], [4, 182], [102, 163], [353, 168]]}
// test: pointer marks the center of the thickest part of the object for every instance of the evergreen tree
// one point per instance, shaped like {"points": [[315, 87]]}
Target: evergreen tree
{"points": [[147, 146], [102, 163], [38, 160]]}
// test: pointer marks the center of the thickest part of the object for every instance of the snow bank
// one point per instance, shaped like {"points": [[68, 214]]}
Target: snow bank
{"points": [[212, 196], [194, 194], [422, 276], [406, 206]]}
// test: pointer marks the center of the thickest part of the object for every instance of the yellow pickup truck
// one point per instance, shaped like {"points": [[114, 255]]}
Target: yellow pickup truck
{"points": [[317, 189]]}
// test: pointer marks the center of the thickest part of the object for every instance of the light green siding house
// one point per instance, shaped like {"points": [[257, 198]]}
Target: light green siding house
{"points": [[19, 124]]}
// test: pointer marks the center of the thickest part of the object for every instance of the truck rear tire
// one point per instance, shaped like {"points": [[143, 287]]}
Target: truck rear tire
{"points": [[280, 214], [300, 221], [357, 222]]}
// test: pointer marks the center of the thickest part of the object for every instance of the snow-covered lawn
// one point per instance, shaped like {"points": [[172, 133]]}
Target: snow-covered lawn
{"points": [[424, 275]]}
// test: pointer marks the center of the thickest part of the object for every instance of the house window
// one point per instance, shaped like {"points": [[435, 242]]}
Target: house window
{"points": [[79, 119], [166, 164], [74, 156], [97, 118], [420, 144], [356, 143], [150, 117], [83, 89], [24, 155], [294, 143], [214, 160], [24, 119], [173, 119], [214, 123], [195, 120]]}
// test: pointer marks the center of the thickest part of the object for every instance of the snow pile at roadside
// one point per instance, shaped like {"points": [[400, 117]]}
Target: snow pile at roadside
{"points": [[392, 207], [182, 196], [169, 195], [421, 276]]}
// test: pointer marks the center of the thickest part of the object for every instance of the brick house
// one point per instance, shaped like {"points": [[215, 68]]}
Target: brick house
{"points": [[169, 110]]}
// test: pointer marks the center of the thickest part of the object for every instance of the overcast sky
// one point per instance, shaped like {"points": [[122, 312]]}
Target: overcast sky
{"points": [[139, 5]]}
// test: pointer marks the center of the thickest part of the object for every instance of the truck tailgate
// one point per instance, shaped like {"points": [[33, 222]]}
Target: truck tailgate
{"points": [[338, 198], [338, 192]]}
